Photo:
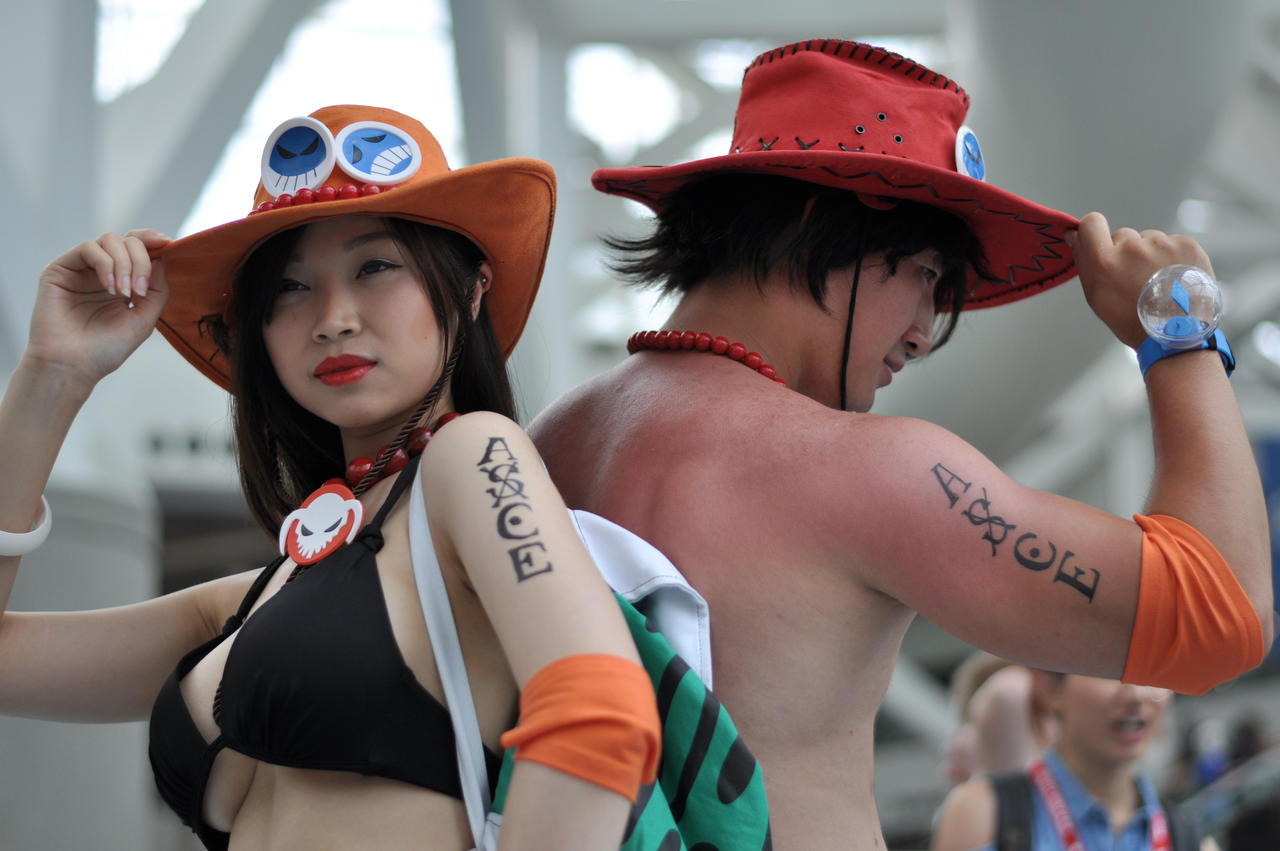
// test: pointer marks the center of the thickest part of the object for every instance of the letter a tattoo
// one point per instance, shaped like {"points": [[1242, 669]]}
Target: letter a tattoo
{"points": [[948, 482]]}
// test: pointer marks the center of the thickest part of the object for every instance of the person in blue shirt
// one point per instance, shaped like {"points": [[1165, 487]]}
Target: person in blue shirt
{"points": [[1086, 792]]}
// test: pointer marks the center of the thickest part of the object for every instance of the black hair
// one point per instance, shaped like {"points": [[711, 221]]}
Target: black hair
{"points": [[283, 450], [755, 223]]}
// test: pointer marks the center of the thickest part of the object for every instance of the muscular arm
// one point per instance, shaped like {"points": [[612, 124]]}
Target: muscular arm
{"points": [[1035, 577]]}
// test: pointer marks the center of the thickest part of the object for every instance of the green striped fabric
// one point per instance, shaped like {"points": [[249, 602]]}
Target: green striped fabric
{"points": [[709, 795]]}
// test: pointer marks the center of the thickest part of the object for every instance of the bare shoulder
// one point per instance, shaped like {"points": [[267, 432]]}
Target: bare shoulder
{"points": [[847, 468], [967, 819], [473, 440]]}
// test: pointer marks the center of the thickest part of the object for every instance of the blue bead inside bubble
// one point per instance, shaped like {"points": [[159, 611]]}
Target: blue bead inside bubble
{"points": [[1180, 306]]}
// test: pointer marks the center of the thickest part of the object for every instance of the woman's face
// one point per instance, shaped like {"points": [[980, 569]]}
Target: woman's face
{"points": [[1106, 720], [352, 334]]}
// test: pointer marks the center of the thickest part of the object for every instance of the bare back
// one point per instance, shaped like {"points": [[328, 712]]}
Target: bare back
{"points": [[707, 461]]}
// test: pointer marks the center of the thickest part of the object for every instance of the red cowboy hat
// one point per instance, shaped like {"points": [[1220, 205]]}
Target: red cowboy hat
{"points": [[858, 117], [363, 160]]}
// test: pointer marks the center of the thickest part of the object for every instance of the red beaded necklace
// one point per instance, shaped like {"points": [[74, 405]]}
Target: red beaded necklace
{"points": [[394, 461], [693, 341], [331, 516]]}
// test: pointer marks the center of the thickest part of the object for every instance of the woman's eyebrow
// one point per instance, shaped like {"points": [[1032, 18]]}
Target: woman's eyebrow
{"points": [[355, 242], [367, 237]]}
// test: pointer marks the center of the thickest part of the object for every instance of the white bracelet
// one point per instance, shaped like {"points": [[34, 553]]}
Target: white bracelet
{"points": [[14, 544]]}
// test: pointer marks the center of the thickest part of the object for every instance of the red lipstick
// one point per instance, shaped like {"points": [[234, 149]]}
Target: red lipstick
{"points": [[343, 369]]}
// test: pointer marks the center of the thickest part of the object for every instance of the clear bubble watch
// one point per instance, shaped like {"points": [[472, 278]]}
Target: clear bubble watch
{"points": [[1180, 306]]}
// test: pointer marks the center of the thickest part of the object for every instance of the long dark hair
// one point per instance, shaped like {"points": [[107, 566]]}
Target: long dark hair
{"points": [[283, 450], [755, 223]]}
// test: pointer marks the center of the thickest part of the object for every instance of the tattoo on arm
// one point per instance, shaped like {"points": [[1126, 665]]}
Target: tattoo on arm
{"points": [[514, 513], [1029, 550]]}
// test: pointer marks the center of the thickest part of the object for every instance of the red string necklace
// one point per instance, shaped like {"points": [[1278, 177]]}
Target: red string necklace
{"points": [[331, 516], [694, 341]]}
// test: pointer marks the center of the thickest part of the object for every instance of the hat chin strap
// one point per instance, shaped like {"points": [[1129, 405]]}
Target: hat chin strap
{"points": [[848, 323], [433, 396]]}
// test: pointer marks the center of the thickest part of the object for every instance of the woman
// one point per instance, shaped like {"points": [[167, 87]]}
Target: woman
{"points": [[1085, 789], [365, 304]]}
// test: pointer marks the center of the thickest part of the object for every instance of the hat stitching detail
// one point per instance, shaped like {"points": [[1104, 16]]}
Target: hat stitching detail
{"points": [[805, 147], [768, 146], [878, 55]]}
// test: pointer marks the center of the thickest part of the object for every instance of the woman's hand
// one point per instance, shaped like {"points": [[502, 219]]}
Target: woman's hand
{"points": [[1114, 267], [97, 303]]}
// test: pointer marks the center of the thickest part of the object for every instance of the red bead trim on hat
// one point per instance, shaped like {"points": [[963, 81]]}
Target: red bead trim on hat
{"points": [[694, 341], [345, 192]]}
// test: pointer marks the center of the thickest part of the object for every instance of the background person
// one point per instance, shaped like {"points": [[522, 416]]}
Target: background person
{"points": [[1000, 728], [1086, 788]]}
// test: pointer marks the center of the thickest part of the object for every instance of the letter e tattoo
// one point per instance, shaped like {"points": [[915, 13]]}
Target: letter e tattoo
{"points": [[1073, 579], [523, 560]]}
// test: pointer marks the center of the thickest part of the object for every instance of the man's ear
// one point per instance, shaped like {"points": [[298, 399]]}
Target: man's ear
{"points": [[484, 277]]}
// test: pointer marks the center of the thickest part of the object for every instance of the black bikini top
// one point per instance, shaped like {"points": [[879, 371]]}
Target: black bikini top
{"points": [[314, 679]]}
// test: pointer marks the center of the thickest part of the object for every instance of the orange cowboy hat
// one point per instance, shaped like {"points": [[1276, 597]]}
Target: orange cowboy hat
{"points": [[862, 118], [365, 160]]}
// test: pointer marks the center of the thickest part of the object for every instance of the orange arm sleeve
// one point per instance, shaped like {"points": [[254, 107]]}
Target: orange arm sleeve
{"points": [[1195, 626], [593, 716]]}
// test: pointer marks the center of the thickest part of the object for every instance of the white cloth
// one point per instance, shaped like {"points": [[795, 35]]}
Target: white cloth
{"points": [[637, 571]]}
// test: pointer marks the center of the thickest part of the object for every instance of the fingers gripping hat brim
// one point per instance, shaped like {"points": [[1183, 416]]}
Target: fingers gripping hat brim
{"points": [[861, 118], [505, 207]]}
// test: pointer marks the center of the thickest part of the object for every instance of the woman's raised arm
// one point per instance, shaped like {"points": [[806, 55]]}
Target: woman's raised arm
{"points": [[96, 304]]}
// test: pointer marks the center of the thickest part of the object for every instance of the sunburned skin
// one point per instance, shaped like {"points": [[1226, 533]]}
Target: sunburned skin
{"points": [[1028, 549]]}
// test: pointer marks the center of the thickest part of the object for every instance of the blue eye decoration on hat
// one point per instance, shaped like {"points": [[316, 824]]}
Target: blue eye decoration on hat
{"points": [[299, 155], [969, 159], [379, 153]]}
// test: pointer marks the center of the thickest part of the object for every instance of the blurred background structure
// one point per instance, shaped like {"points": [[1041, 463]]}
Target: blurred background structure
{"points": [[126, 113]]}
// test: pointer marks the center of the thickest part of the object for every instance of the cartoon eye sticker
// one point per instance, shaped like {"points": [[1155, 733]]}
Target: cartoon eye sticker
{"points": [[969, 159], [374, 152], [299, 155]]}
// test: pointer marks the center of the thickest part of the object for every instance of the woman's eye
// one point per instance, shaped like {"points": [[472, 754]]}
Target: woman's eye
{"points": [[291, 285], [371, 267]]}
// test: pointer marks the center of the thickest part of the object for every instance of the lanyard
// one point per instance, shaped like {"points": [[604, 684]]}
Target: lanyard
{"points": [[1065, 825]]}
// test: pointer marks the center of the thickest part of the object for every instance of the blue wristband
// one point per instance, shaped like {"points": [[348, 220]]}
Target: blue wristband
{"points": [[1151, 351]]}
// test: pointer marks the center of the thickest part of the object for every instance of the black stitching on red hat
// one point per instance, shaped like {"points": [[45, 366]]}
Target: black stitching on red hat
{"points": [[879, 55], [805, 147], [768, 146]]}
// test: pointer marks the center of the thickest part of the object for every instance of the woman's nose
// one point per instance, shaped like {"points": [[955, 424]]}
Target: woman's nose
{"points": [[338, 315]]}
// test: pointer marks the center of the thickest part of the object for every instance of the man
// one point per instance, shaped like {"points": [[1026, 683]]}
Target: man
{"points": [[849, 211]]}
